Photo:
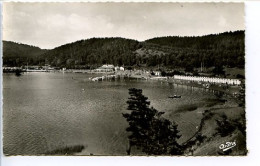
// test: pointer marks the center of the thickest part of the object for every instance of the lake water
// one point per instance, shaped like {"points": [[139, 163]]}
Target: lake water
{"points": [[46, 111]]}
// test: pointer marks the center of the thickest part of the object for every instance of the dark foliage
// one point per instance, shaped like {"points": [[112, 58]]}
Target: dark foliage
{"points": [[207, 115], [225, 49], [163, 73], [150, 132], [219, 70], [152, 73], [225, 126], [241, 124], [171, 73], [18, 72], [17, 54], [95, 51], [239, 76]]}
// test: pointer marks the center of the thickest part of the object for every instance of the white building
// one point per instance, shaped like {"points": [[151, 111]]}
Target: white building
{"points": [[105, 68], [209, 79], [157, 73], [122, 68]]}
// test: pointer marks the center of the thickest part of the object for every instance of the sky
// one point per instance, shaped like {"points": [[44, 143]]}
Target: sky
{"points": [[49, 25]]}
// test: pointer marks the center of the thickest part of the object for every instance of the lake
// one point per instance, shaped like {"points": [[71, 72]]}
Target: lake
{"points": [[46, 111]]}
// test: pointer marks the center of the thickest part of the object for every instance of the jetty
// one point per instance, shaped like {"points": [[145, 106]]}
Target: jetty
{"points": [[106, 77]]}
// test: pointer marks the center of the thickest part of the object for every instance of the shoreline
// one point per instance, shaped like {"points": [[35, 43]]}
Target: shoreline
{"points": [[230, 90]]}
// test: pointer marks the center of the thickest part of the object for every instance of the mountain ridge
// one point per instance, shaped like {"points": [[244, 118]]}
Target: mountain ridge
{"points": [[169, 51]]}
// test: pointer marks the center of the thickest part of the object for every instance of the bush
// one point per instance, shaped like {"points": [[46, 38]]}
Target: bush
{"points": [[225, 126]]}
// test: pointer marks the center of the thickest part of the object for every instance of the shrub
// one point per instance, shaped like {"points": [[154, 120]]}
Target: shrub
{"points": [[225, 126]]}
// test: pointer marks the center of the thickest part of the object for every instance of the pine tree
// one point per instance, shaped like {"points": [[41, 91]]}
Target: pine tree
{"points": [[150, 132]]}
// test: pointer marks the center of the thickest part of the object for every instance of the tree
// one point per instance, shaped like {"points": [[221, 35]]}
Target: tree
{"points": [[218, 70], [225, 126], [163, 73], [150, 132], [189, 68], [18, 72]]}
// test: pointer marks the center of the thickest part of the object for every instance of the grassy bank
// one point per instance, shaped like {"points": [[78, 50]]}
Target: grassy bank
{"points": [[228, 132], [231, 128]]}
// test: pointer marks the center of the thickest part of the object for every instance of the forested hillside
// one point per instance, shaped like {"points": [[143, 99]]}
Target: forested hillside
{"points": [[225, 49], [95, 51], [17, 54]]}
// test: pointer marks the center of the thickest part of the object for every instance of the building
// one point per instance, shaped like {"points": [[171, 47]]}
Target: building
{"points": [[209, 79], [105, 68], [122, 68], [157, 73]]}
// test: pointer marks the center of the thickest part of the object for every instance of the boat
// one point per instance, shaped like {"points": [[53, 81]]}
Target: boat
{"points": [[175, 96]]}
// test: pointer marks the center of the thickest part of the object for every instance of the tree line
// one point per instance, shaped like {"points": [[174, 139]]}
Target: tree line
{"points": [[225, 49], [18, 54]]}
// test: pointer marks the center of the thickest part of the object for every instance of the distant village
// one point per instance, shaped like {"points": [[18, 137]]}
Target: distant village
{"points": [[110, 72]]}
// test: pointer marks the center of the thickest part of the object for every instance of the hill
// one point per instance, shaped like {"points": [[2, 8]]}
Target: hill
{"points": [[17, 54], [93, 52], [225, 49], [228, 40], [218, 50]]}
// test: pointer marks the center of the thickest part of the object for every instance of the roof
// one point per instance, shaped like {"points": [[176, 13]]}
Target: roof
{"points": [[107, 66]]}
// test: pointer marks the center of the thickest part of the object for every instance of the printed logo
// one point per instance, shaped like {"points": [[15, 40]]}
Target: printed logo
{"points": [[227, 145]]}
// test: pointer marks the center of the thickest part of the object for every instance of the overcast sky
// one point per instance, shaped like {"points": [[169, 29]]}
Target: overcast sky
{"points": [[48, 25]]}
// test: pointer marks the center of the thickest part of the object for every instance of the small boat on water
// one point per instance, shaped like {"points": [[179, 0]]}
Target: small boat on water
{"points": [[175, 96]]}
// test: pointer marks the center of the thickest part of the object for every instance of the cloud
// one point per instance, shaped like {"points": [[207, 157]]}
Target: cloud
{"points": [[49, 25]]}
